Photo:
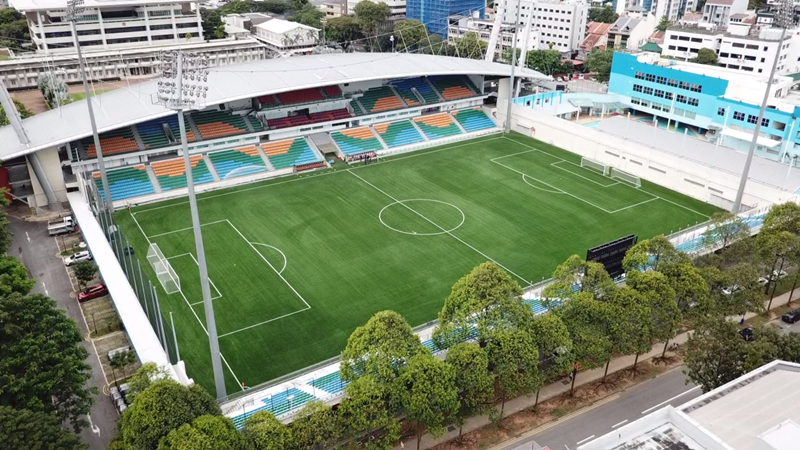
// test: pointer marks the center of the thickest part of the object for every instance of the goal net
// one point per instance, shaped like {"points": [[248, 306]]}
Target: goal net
{"points": [[166, 274], [595, 165], [633, 180]]}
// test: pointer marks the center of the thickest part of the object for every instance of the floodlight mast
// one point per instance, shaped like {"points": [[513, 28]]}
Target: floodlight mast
{"points": [[74, 8], [183, 86]]}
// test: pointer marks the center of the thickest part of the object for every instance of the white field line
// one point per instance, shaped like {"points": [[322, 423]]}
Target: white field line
{"points": [[219, 294], [437, 226], [635, 205], [559, 191], [285, 260], [556, 165], [299, 178], [186, 229]]}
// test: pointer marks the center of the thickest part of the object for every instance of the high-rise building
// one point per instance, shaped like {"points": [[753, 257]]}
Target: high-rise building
{"points": [[434, 13], [561, 24]]}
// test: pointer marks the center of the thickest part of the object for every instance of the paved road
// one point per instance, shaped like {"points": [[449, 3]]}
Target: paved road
{"points": [[38, 251], [669, 388]]}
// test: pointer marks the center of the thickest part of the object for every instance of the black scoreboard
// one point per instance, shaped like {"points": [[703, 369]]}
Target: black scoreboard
{"points": [[611, 254]]}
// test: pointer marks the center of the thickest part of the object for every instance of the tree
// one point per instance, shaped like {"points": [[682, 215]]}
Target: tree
{"points": [[665, 316], [367, 409], [507, 55], [632, 325], [13, 276], [547, 62], [24, 112], [705, 56], [147, 374], [53, 88], [774, 247], [161, 408], [342, 30], [663, 24], [251, 6], [5, 233], [213, 28], [783, 217], [436, 45], [408, 33], [84, 272], [714, 353], [471, 46], [604, 15], [429, 394], [263, 431], [43, 366], [552, 340], [515, 364], [598, 61], [370, 16], [691, 289], [724, 229], [122, 360], [588, 276], [654, 253], [474, 384], [205, 433], [13, 29], [588, 323], [20, 428], [308, 15], [316, 426], [739, 291]]}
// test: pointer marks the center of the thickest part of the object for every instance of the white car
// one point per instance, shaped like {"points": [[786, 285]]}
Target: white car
{"points": [[82, 244], [731, 289], [80, 256], [778, 274]]}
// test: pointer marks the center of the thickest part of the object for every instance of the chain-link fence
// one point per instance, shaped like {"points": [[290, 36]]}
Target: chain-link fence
{"points": [[145, 291]]}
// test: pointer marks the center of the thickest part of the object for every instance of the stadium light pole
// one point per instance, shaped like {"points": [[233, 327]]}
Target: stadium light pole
{"points": [[183, 86], [513, 64], [74, 8], [737, 204]]}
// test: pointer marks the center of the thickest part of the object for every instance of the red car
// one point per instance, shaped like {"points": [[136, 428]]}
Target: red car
{"points": [[98, 290]]}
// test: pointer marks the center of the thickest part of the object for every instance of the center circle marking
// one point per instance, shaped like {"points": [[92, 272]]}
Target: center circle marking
{"points": [[403, 202]]}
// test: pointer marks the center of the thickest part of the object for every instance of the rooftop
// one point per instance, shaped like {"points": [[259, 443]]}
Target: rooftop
{"points": [[719, 32], [124, 107], [47, 5], [720, 2], [281, 26]]}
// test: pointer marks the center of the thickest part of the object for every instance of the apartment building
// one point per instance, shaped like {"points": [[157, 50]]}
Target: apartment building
{"points": [[338, 8], [719, 12], [285, 37], [562, 25], [740, 52], [112, 24], [397, 8], [630, 32], [670, 9]]}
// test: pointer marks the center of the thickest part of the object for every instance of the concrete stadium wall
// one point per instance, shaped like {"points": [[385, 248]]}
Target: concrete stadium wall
{"points": [[705, 182], [52, 168]]}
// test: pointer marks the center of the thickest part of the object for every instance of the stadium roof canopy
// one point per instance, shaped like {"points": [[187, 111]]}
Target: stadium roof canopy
{"points": [[129, 106]]}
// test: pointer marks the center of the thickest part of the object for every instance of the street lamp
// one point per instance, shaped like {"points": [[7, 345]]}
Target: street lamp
{"points": [[74, 8], [183, 86]]}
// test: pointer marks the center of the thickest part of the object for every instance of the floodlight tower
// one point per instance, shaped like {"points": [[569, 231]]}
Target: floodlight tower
{"points": [[74, 9], [783, 20], [183, 86]]}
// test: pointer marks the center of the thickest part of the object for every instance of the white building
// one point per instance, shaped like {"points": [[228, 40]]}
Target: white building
{"points": [[560, 24], [740, 52], [757, 411], [630, 32], [397, 8], [335, 8], [285, 37], [111, 24], [719, 12], [666, 8], [458, 27]]}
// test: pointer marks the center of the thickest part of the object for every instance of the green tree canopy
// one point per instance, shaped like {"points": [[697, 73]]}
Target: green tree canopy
{"points": [[308, 15], [653, 254], [342, 30], [474, 384], [13, 29], [598, 61], [632, 325], [471, 46], [551, 338], [436, 45], [24, 112], [604, 15], [316, 426], [84, 272], [35, 430], [213, 28], [43, 366], [691, 289], [714, 353], [429, 395], [143, 378], [368, 408], [589, 276], [370, 16], [251, 6], [263, 431], [547, 62], [724, 229], [161, 408], [705, 56], [408, 32], [515, 364], [205, 433], [665, 316], [783, 217], [13, 276], [663, 24]]}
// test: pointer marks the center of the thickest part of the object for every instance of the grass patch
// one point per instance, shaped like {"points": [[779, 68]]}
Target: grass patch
{"points": [[298, 263]]}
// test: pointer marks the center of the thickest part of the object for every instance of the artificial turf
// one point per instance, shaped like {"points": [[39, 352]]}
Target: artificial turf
{"points": [[351, 249]]}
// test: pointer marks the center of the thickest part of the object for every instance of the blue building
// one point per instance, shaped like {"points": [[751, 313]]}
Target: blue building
{"points": [[434, 13], [721, 104]]}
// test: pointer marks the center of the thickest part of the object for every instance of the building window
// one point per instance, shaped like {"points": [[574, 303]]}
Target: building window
{"points": [[684, 85], [648, 91], [723, 55], [693, 101], [778, 125], [659, 93], [650, 77], [637, 88], [681, 98], [672, 47], [737, 45], [752, 47], [668, 95], [752, 119], [696, 88], [737, 115], [635, 101], [764, 122], [673, 83], [721, 112], [661, 80]]}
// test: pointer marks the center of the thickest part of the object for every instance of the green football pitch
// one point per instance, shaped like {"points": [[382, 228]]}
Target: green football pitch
{"points": [[296, 264]]}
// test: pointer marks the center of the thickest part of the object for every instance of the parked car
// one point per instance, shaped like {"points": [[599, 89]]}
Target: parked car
{"points": [[778, 274], [82, 244], [763, 281], [746, 333], [791, 316], [731, 289], [80, 256], [98, 290]]}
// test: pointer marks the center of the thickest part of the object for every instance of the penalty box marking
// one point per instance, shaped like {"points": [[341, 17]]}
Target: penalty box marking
{"points": [[219, 294]]}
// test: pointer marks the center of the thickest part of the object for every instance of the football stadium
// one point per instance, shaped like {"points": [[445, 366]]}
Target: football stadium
{"points": [[330, 187]]}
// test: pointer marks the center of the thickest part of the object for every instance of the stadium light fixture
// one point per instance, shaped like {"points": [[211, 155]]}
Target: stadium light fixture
{"points": [[183, 86], [74, 9], [513, 64]]}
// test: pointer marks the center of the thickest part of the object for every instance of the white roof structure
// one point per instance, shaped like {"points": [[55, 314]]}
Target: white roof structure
{"points": [[124, 107], [758, 411], [280, 26], [50, 5]]}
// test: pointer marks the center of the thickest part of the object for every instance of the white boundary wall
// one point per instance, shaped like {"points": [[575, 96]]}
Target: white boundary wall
{"points": [[647, 163]]}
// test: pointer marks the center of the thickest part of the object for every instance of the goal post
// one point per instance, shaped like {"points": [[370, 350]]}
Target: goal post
{"points": [[595, 165], [164, 272], [626, 177]]}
